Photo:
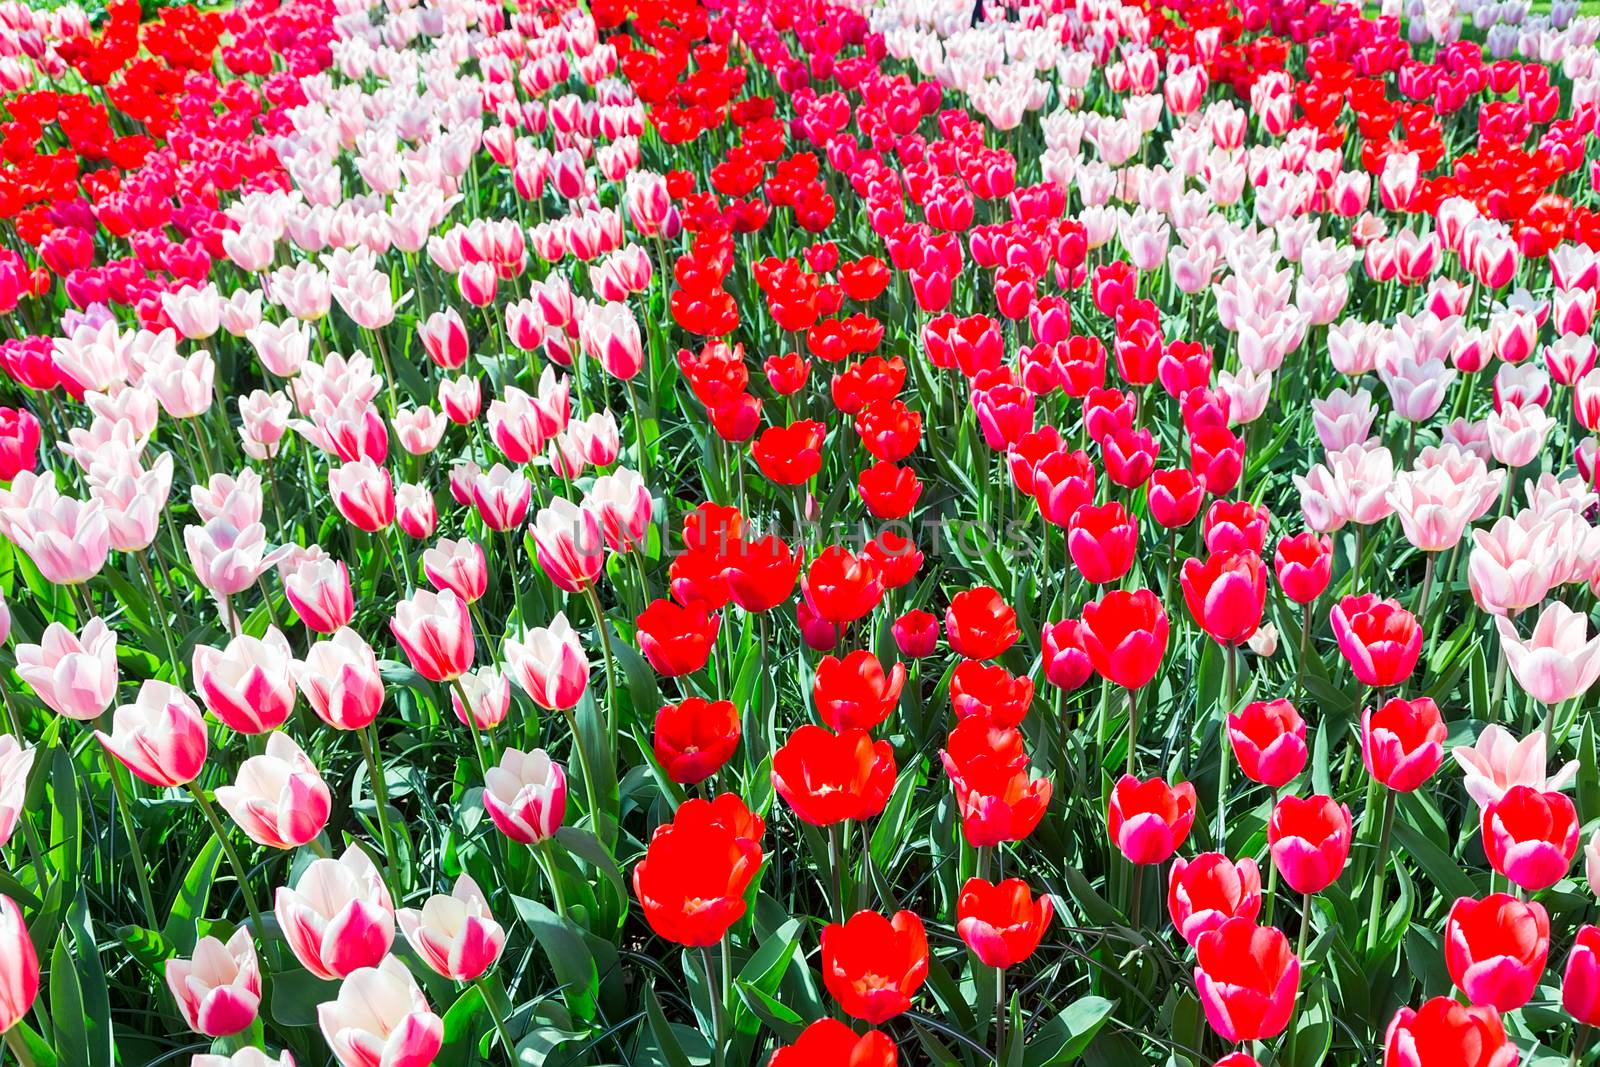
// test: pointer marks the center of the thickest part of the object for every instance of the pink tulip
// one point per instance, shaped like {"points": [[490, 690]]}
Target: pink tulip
{"points": [[419, 430], [282, 348], [15, 763], [489, 694], [227, 559], [549, 664], [526, 795], [1433, 507], [338, 918], [461, 399], [622, 504], [1517, 434], [1498, 761], [75, 675], [381, 1019], [444, 338], [238, 500], [501, 496], [1207, 891], [516, 425], [218, 990], [459, 566], [340, 680], [415, 511], [571, 546], [435, 631], [278, 799], [1510, 565], [1496, 949], [19, 966], [1559, 660], [68, 540], [249, 684], [245, 1057], [455, 935], [364, 494], [161, 737], [609, 333], [318, 589]]}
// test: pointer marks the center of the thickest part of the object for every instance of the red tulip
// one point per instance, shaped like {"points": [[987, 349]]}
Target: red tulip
{"points": [[1207, 891], [874, 966], [1402, 743], [1063, 482], [1247, 980], [979, 624], [1148, 820], [889, 491], [1066, 664], [1174, 497], [761, 574], [1444, 1033], [1217, 457], [1235, 526], [1226, 595], [1531, 837], [830, 778], [916, 634], [895, 556], [990, 691], [677, 640], [1496, 949], [1580, 985], [790, 455], [1125, 634], [1001, 923], [692, 880], [841, 587], [1269, 741], [829, 1041], [1310, 841], [855, 693], [695, 737], [1378, 638], [995, 794], [1101, 541], [1130, 457], [1304, 565]]}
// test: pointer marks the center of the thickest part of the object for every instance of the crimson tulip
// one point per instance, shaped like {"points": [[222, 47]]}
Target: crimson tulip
{"points": [[841, 587], [979, 624], [1125, 635], [1496, 949], [790, 455], [828, 778], [1310, 841], [916, 634], [1446, 1033], [1066, 663], [830, 1041], [1530, 837], [990, 691], [1304, 566], [1174, 497], [1001, 922], [692, 880], [1269, 741], [1235, 526], [1247, 979], [1378, 638], [1580, 984], [1101, 541], [677, 639], [1207, 891], [855, 693], [761, 574], [1402, 743], [1149, 819], [874, 966], [1226, 594], [695, 737]]}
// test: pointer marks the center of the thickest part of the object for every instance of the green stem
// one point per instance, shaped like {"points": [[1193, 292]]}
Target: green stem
{"points": [[547, 863], [1231, 679], [125, 813], [605, 648], [836, 869], [234, 861], [1375, 912], [999, 1015], [718, 1052], [380, 789], [1133, 728], [158, 602], [494, 1013], [19, 1048]]}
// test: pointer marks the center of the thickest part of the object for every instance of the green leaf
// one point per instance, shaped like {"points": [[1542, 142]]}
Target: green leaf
{"points": [[181, 928], [666, 1039], [464, 1023], [66, 1006], [295, 996], [1063, 1039], [569, 955]]}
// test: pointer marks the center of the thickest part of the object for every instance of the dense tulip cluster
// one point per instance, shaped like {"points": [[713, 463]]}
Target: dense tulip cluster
{"points": [[708, 520]]}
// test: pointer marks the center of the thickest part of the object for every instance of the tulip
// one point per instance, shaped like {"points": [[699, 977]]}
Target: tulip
{"points": [[1445, 1033], [19, 966], [1402, 743], [855, 693], [1269, 741], [455, 935], [364, 494], [1378, 638], [1580, 984], [381, 1019], [916, 634], [161, 737], [1247, 980], [691, 883], [1235, 526], [1498, 761], [1530, 837], [549, 664], [979, 624], [526, 795], [990, 691], [1174, 496], [828, 778], [502, 495], [459, 566], [1496, 949], [677, 640], [695, 737], [571, 547], [319, 592], [761, 574], [278, 799], [1226, 594], [435, 631], [1207, 891], [338, 918], [219, 990], [487, 694], [1559, 661], [1304, 566], [75, 675], [245, 1057], [1309, 838], [1066, 663], [1149, 819], [1125, 635], [1001, 922], [874, 966], [833, 1042], [15, 763], [339, 679], [841, 587], [249, 685], [1101, 541]]}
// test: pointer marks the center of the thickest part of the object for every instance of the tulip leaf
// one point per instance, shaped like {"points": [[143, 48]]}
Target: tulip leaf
{"points": [[666, 1037], [295, 996], [465, 1022], [587, 847], [1063, 1039], [1588, 773], [67, 1008], [180, 929], [569, 956], [1440, 867]]}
